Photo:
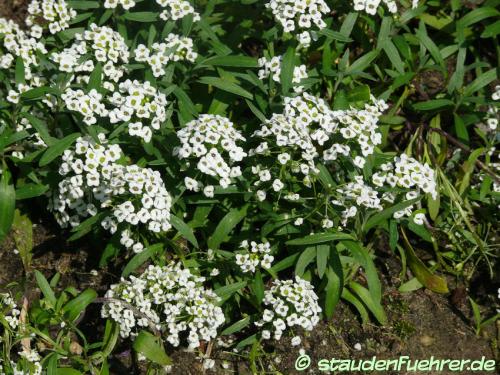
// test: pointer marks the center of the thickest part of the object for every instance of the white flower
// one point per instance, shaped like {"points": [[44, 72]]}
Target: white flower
{"points": [[172, 299], [177, 9], [295, 304], [296, 341], [419, 218], [54, 13]]}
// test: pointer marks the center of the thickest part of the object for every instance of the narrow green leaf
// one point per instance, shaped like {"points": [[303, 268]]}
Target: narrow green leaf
{"points": [[184, 229], [151, 347], [140, 258], [75, 307], [319, 238], [57, 149], [287, 67], [44, 286], [7, 203], [226, 85], [225, 226]]}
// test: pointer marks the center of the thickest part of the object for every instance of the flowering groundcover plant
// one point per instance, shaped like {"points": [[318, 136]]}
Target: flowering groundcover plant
{"points": [[238, 161]]}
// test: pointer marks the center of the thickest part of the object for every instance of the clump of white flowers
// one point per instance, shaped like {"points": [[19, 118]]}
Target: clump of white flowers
{"points": [[141, 105], [299, 15], [254, 255], [308, 131], [89, 105], [57, 13], [174, 48], [212, 141], [15, 42], [105, 45], [29, 358], [135, 197], [272, 68], [28, 364], [371, 6], [493, 114], [289, 304], [126, 4], [171, 299], [177, 9]]}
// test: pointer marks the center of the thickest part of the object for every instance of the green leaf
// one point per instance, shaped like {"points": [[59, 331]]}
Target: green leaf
{"points": [[140, 258], [225, 226], [483, 80], [387, 213], [7, 203], [227, 291], [44, 286], [333, 292], [429, 45], [75, 307], [20, 73], [363, 258], [38, 92], [22, 230], [232, 61], [28, 191], [434, 104], [67, 371], [335, 35], [316, 238], [258, 286], [183, 229], [306, 257], [359, 94], [477, 15], [40, 127], [141, 16], [421, 272], [236, 327], [287, 67], [83, 4], [57, 149], [226, 85], [95, 78], [362, 63], [86, 226], [491, 31], [151, 347], [374, 306], [322, 253]]}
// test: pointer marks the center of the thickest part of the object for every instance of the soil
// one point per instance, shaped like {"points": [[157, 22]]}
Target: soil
{"points": [[421, 324]]}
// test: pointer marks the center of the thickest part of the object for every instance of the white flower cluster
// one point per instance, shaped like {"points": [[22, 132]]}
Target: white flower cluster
{"points": [[141, 105], [272, 67], [16, 43], [209, 139], [371, 6], [358, 129], [172, 299], [10, 310], [29, 364], [30, 359], [126, 4], [406, 173], [89, 105], [493, 114], [174, 48], [309, 130], [56, 13], [137, 196], [177, 9], [299, 15], [255, 254], [106, 46], [289, 304]]}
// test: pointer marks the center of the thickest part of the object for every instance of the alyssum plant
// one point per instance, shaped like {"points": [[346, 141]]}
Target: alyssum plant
{"points": [[249, 182]]}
